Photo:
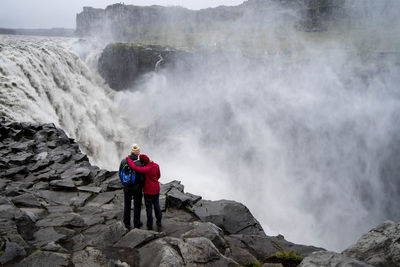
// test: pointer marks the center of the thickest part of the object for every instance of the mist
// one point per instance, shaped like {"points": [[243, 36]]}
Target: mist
{"points": [[305, 135]]}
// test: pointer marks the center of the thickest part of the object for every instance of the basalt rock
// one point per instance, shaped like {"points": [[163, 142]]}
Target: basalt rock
{"points": [[63, 212]]}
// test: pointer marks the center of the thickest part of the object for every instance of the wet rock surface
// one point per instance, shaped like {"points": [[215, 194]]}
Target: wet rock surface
{"points": [[59, 210]]}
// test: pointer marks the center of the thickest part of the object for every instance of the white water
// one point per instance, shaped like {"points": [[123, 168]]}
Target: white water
{"points": [[308, 140], [42, 80]]}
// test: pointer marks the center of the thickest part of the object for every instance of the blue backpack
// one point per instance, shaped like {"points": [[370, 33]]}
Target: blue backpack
{"points": [[127, 175]]}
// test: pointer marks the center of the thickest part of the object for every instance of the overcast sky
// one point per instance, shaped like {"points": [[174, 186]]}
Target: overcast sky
{"points": [[62, 13]]}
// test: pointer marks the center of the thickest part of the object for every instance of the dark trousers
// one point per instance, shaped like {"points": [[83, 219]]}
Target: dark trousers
{"points": [[150, 201], [137, 204]]}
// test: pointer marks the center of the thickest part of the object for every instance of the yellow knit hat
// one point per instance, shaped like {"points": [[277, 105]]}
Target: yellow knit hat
{"points": [[135, 149]]}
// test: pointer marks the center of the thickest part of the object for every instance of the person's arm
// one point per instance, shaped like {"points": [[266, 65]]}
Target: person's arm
{"points": [[158, 173], [145, 169]]}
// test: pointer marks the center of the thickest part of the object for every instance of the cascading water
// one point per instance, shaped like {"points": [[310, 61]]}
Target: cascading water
{"points": [[307, 139], [44, 81]]}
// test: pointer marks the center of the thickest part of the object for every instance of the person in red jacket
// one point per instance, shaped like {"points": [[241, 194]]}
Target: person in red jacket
{"points": [[151, 188]]}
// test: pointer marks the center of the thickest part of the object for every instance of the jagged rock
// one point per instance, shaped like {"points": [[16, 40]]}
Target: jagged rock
{"points": [[22, 158], [101, 199], [159, 253], [12, 252], [199, 250], [90, 257], [53, 247], [209, 231], [231, 216], [101, 235], [9, 231], [178, 199], [165, 188], [25, 225], [45, 236], [26, 200], [64, 198], [76, 174], [8, 211], [115, 184], [16, 170], [238, 252], [379, 247], [93, 189], [137, 237], [16, 188], [68, 219], [330, 259], [264, 246], [45, 258], [67, 184]]}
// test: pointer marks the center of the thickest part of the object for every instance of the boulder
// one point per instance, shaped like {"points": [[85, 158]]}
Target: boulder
{"points": [[209, 231], [230, 216], [90, 257], [160, 253], [379, 247], [137, 237], [178, 199], [330, 259]]}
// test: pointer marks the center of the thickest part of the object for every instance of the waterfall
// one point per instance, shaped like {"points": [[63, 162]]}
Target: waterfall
{"points": [[42, 80]]}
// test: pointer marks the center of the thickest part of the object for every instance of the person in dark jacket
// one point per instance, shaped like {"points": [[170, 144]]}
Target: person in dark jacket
{"points": [[151, 188], [134, 191]]}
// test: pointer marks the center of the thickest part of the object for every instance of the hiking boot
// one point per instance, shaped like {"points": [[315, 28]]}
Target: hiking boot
{"points": [[159, 223], [140, 225]]}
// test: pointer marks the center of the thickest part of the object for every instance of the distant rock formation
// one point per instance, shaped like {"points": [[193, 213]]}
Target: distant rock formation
{"points": [[121, 64], [59, 210], [132, 23]]}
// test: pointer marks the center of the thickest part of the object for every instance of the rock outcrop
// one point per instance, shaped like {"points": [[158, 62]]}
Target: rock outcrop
{"points": [[59, 210], [132, 23], [121, 64]]}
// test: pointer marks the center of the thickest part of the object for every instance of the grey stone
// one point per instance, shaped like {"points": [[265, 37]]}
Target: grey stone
{"points": [[231, 216], [63, 184], [25, 225], [159, 253], [22, 158], [178, 199], [114, 184], [330, 259], [102, 235], [45, 236], [272, 265], [46, 259], [137, 237], [209, 231], [93, 189], [165, 188], [52, 246], [26, 200], [12, 252], [379, 247], [8, 211], [101, 199], [64, 198], [68, 219], [76, 174], [16, 170], [9, 231], [90, 257], [238, 252]]}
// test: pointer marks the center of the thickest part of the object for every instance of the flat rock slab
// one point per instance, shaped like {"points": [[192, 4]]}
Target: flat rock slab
{"points": [[137, 237], [45, 236], [178, 199], [26, 200], [64, 198], [45, 258], [328, 258], [68, 219], [101, 235], [12, 251], [93, 189], [63, 184], [101, 199]]}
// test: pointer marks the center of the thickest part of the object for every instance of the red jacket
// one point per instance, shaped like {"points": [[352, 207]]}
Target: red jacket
{"points": [[152, 174]]}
